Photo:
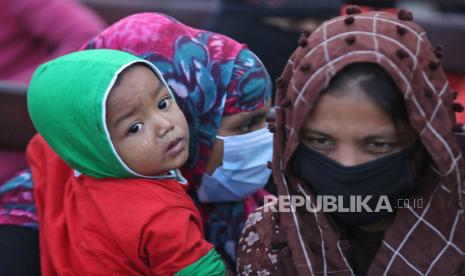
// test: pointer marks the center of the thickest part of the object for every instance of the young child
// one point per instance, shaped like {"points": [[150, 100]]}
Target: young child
{"points": [[109, 197]]}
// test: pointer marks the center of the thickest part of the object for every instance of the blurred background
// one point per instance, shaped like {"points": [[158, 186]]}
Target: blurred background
{"points": [[34, 31]]}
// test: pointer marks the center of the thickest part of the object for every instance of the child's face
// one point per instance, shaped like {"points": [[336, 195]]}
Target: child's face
{"points": [[146, 126]]}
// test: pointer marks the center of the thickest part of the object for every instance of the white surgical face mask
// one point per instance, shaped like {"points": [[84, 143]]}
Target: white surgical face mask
{"points": [[244, 170]]}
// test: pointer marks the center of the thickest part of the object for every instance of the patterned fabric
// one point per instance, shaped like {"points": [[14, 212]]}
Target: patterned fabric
{"points": [[17, 201], [260, 233], [423, 241], [212, 76]]}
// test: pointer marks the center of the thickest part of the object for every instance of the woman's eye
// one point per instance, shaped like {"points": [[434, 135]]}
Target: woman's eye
{"points": [[381, 146], [135, 128], [247, 127], [320, 141], [164, 103]]}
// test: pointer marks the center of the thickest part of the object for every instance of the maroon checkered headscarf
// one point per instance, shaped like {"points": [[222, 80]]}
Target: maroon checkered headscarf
{"points": [[428, 240]]}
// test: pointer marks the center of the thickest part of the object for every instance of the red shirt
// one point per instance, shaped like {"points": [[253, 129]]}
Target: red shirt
{"points": [[110, 226]]}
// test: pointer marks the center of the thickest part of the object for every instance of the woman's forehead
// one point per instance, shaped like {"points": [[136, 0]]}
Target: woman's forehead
{"points": [[350, 112]]}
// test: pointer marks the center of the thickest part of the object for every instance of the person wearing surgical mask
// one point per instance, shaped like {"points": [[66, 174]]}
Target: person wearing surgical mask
{"points": [[224, 91], [366, 157], [237, 167]]}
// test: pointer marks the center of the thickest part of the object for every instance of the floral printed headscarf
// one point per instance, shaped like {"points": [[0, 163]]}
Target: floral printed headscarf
{"points": [[211, 75]]}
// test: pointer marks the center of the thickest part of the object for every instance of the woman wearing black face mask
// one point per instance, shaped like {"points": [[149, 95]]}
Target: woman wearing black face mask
{"points": [[365, 118], [357, 141]]}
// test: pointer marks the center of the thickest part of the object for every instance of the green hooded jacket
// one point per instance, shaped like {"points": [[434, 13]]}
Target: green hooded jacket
{"points": [[66, 102]]}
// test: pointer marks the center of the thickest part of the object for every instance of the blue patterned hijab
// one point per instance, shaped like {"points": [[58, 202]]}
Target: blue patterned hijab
{"points": [[211, 75]]}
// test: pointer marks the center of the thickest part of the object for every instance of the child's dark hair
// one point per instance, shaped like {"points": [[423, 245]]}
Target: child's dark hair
{"points": [[127, 69]]}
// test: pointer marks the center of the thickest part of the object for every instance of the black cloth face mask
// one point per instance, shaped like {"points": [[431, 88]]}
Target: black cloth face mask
{"points": [[389, 176]]}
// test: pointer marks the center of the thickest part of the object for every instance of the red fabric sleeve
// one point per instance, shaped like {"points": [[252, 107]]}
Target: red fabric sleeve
{"points": [[40, 157], [173, 240]]}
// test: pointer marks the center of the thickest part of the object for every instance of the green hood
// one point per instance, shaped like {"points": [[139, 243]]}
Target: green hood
{"points": [[66, 102]]}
